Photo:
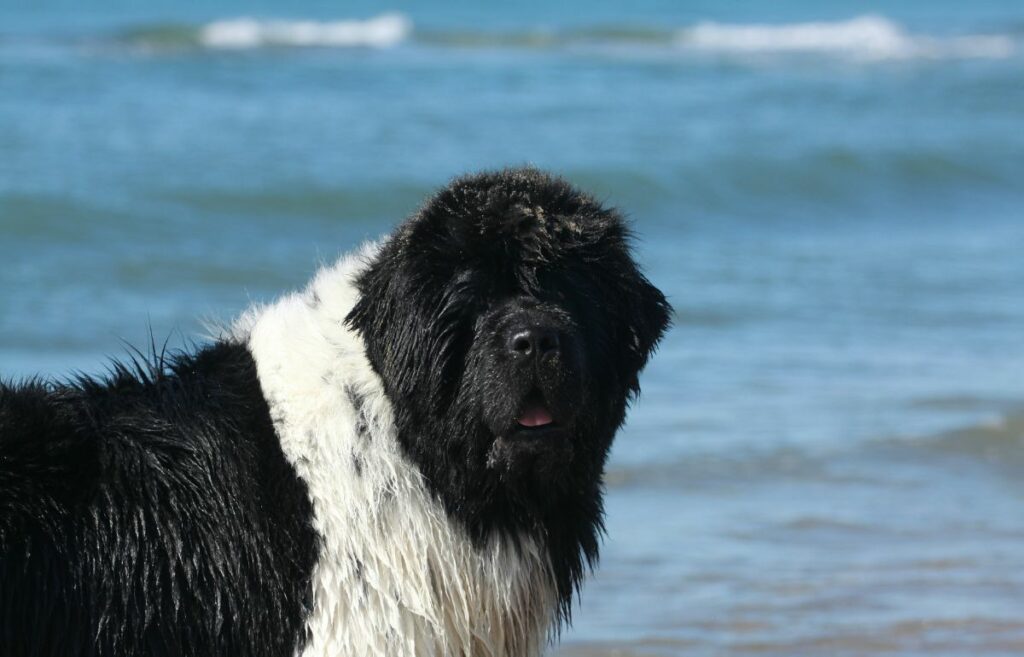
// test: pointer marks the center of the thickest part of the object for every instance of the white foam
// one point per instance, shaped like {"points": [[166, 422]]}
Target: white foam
{"points": [[241, 33], [868, 37]]}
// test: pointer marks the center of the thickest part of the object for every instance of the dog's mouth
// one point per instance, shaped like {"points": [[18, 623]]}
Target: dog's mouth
{"points": [[537, 441], [535, 415]]}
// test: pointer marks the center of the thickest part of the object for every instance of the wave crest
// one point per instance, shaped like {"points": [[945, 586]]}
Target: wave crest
{"points": [[382, 31], [869, 37], [866, 38]]}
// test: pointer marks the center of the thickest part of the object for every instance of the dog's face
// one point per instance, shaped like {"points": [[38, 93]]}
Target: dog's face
{"points": [[509, 323]]}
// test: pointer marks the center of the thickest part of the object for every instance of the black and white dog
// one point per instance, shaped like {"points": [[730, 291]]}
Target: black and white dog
{"points": [[403, 459]]}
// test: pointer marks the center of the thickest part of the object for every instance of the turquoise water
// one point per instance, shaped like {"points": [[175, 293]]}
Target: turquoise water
{"points": [[829, 454]]}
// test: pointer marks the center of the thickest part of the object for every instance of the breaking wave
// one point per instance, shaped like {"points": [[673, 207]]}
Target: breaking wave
{"points": [[380, 32], [868, 37], [245, 33]]}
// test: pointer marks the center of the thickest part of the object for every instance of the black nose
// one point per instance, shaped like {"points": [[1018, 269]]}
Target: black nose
{"points": [[536, 341]]}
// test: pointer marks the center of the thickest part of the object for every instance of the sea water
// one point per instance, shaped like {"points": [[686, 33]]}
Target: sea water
{"points": [[828, 457]]}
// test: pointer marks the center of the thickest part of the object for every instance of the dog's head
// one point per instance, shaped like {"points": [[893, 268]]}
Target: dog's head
{"points": [[509, 322]]}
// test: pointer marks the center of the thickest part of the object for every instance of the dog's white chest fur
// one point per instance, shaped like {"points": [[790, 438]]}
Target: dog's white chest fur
{"points": [[395, 576]]}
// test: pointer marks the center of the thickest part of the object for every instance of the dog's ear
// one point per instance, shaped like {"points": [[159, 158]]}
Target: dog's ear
{"points": [[409, 334], [391, 339], [647, 317]]}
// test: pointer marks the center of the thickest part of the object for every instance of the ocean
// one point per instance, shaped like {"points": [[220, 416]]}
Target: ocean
{"points": [[828, 456]]}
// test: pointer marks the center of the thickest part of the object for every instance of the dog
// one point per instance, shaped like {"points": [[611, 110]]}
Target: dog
{"points": [[405, 458]]}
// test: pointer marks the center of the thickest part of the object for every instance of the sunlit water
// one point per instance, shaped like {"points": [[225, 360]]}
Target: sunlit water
{"points": [[828, 456]]}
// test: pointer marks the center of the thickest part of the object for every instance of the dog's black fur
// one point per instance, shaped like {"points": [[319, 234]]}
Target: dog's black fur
{"points": [[151, 513], [490, 254], [154, 513]]}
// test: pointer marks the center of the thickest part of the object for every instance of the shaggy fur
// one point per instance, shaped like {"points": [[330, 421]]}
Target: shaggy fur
{"points": [[403, 459], [152, 513]]}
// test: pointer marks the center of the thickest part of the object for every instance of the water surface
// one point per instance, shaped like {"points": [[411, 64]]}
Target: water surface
{"points": [[828, 457]]}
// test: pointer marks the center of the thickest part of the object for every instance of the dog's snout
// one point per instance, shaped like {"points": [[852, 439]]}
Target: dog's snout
{"points": [[534, 341]]}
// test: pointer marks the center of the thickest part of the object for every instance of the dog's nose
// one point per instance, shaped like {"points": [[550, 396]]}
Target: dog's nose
{"points": [[534, 342]]}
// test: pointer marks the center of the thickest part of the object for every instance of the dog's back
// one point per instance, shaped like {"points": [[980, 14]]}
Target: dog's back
{"points": [[131, 507]]}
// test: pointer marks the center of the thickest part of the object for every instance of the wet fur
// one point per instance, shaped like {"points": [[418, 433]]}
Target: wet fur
{"points": [[340, 475]]}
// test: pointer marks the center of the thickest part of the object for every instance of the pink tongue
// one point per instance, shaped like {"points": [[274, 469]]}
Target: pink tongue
{"points": [[535, 416]]}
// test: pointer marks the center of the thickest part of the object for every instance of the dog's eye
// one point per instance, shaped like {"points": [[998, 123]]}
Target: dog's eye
{"points": [[554, 289]]}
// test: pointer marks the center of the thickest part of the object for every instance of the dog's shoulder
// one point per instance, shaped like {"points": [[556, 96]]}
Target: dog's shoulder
{"points": [[151, 496], [143, 416], [48, 453], [194, 425]]}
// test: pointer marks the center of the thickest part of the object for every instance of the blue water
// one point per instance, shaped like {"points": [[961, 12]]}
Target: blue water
{"points": [[829, 452]]}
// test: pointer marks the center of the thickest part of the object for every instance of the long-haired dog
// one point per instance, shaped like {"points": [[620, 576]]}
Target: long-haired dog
{"points": [[405, 458]]}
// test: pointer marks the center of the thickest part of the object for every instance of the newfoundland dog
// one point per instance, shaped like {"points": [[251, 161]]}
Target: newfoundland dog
{"points": [[405, 458]]}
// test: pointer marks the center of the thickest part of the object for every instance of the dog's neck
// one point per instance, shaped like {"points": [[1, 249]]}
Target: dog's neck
{"points": [[395, 575]]}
